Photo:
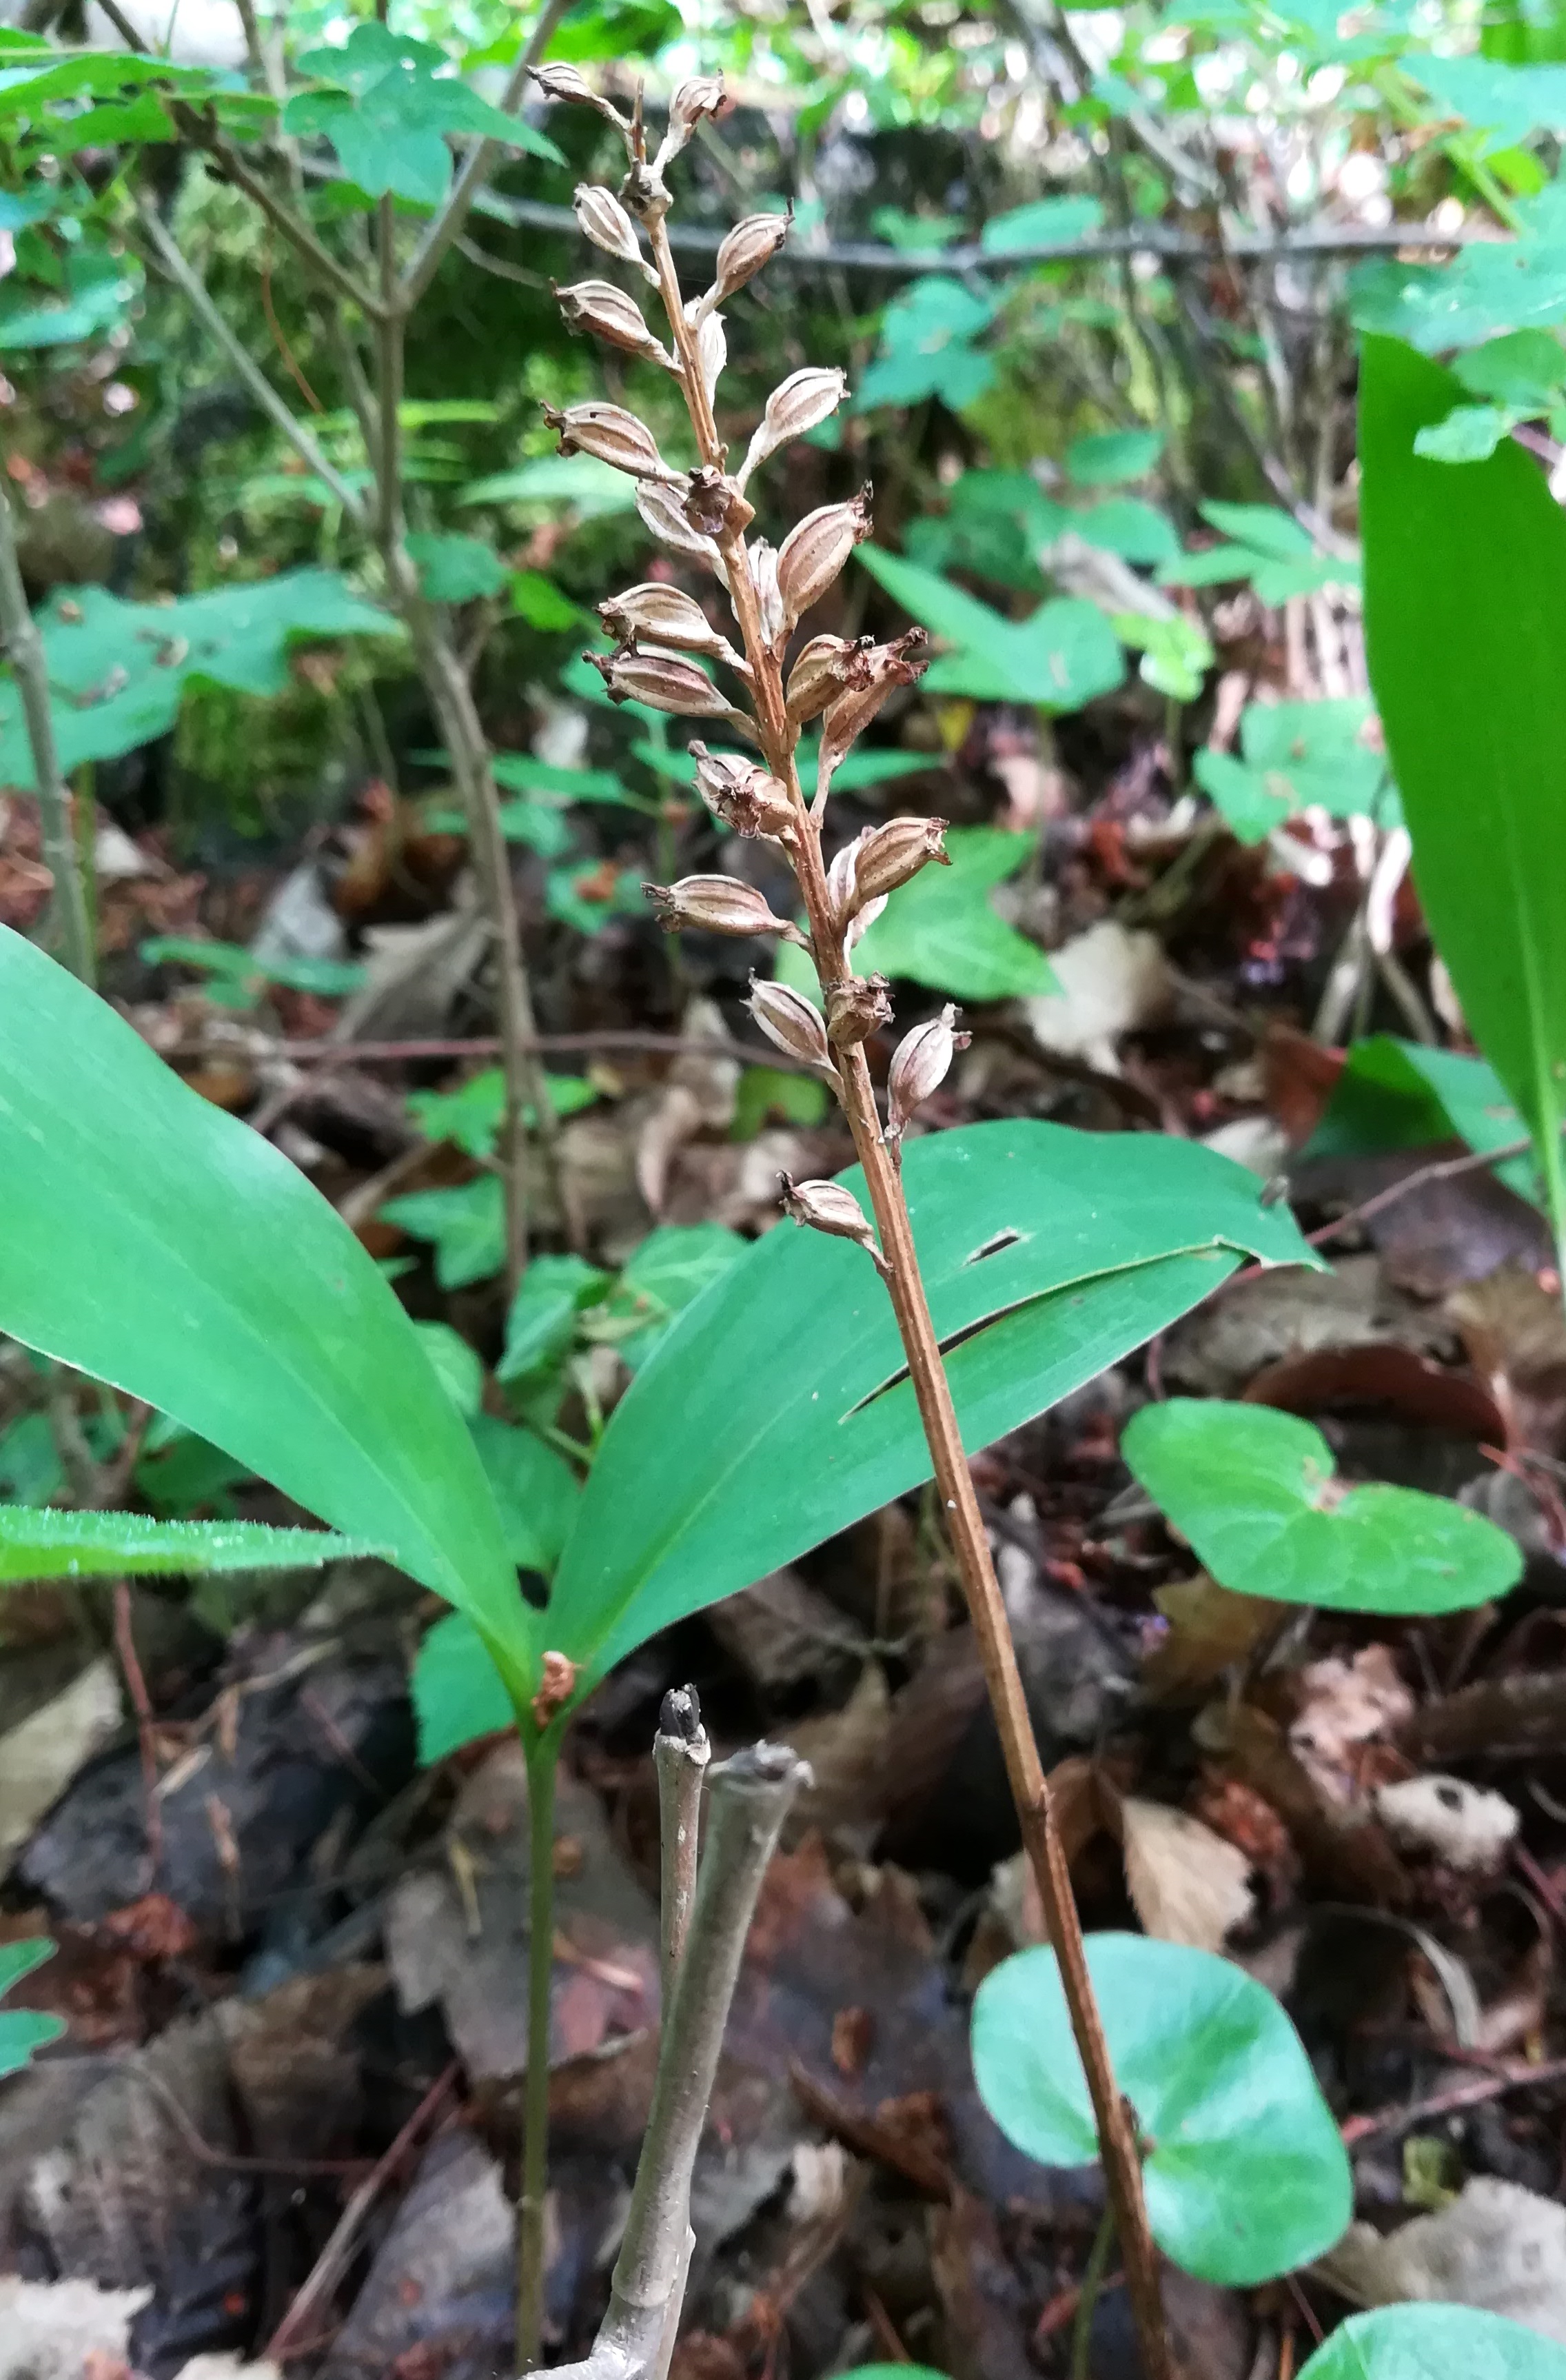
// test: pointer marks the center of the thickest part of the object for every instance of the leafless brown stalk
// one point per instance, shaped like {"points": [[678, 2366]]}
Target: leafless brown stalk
{"points": [[663, 639]]}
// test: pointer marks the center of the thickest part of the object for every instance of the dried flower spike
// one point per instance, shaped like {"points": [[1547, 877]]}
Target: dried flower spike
{"points": [[888, 855], [802, 402], [671, 617], [790, 1023], [885, 668], [563, 82], [828, 1206], [753, 242], [612, 435], [919, 1065], [603, 220], [714, 905], [667, 681], [598, 307], [821, 670], [743, 797], [815, 550], [858, 1006]]}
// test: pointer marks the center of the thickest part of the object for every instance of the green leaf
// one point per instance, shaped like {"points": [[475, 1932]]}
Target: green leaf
{"points": [[1525, 370], [118, 670], [387, 108], [668, 1270], [1297, 755], [47, 1544], [1468, 435], [1395, 1094], [939, 929], [455, 1365], [1126, 526], [778, 1411], [1262, 527], [1045, 222], [158, 1243], [458, 1693], [1466, 576], [535, 1489], [1435, 2342], [98, 291], [581, 480], [764, 1092], [543, 1320], [470, 1116], [457, 569], [1176, 655], [1245, 2174], [1505, 102], [1254, 1493], [1106, 458], [540, 602], [466, 1225], [1060, 658], [24, 2030]]}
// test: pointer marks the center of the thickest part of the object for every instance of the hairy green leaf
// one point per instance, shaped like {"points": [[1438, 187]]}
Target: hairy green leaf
{"points": [[48, 1544]]}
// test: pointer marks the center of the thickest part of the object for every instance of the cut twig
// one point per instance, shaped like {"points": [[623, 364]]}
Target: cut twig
{"points": [[24, 650], [680, 1754]]}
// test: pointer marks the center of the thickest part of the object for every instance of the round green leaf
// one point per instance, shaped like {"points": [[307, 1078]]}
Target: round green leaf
{"points": [[1252, 1493], [1435, 2342], [1246, 2174]]}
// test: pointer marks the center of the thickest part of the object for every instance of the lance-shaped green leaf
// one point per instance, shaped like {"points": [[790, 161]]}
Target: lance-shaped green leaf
{"points": [[1435, 2342], [158, 1243], [1244, 2171], [1254, 1493], [1464, 590], [23, 2029], [44, 1543], [778, 1410]]}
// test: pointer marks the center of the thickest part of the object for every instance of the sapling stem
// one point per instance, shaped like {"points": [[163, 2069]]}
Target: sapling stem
{"points": [[680, 1756], [1088, 2301], [704, 514], [543, 1759], [24, 650]]}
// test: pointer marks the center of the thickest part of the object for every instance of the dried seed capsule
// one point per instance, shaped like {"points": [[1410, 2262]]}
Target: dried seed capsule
{"points": [[790, 1023], [662, 511], [667, 615], [743, 797], [840, 886], [713, 905], [857, 1006], [714, 504], [667, 681], [763, 561], [818, 675], [815, 550], [612, 435], [712, 353], [802, 402], [828, 1206], [888, 855], [570, 83], [919, 1065], [598, 307], [604, 221], [886, 667], [703, 95], [753, 242]]}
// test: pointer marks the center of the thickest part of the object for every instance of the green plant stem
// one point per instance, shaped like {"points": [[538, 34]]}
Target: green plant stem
{"points": [[24, 650], [543, 1756], [1086, 2303]]}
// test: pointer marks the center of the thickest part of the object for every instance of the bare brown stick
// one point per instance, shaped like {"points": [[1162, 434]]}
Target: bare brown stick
{"points": [[24, 650], [325, 2272], [1445, 1169], [1451, 2103], [680, 1754], [779, 737]]}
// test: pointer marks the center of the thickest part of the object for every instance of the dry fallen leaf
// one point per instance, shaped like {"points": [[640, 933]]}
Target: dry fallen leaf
{"points": [[1498, 2246], [1187, 1884], [1344, 1705], [1111, 981]]}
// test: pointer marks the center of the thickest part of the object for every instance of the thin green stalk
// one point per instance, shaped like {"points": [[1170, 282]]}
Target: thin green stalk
{"points": [[544, 1755], [1086, 2304], [24, 650]]}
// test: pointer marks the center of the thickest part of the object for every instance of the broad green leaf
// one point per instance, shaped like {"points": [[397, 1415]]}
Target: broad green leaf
{"points": [[457, 569], [1176, 654], [1435, 2342], [543, 1320], [542, 604], [1044, 223], [1126, 526], [1466, 579], [777, 1409], [939, 929], [386, 109], [48, 1544], [1246, 2174], [328, 978], [1468, 435], [118, 670], [1506, 103], [24, 2030], [471, 1115], [1490, 286], [581, 480], [667, 1271], [1395, 1094], [455, 1364], [1297, 755], [1261, 526], [1060, 658], [97, 291], [535, 1490], [458, 1693], [927, 349], [158, 1243], [1525, 370], [1254, 1493], [1107, 458], [765, 1092], [464, 1224]]}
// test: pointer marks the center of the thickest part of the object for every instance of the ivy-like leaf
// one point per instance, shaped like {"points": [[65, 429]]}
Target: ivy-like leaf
{"points": [[387, 107]]}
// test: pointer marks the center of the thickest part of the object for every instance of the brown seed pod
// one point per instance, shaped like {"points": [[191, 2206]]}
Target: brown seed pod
{"points": [[666, 681], [815, 550], [714, 504], [886, 667], [713, 905], [753, 242], [563, 82], [669, 616], [763, 562], [802, 402], [703, 96], [743, 797], [821, 670], [828, 1206], [790, 1023], [610, 315], [612, 435], [919, 1065], [890, 854], [604, 221], [662, 511], [857, 1006]]}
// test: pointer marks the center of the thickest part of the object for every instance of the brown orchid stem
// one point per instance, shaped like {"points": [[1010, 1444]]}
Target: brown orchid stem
{"points": [[1116, 2125]]}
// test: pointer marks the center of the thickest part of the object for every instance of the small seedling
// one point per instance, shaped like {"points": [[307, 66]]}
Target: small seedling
{"points": [[1254, 1494], [23, 2029], [1244, 2172]]}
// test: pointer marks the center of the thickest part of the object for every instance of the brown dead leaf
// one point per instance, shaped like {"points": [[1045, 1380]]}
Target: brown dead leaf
{"points": [[848, 1753], [1515, 1333], [1210, 1629], [1346, 1706], [1187, 1884], [981, 2293]]}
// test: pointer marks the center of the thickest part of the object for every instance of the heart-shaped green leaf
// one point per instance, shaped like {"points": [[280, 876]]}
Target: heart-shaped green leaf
{"points": [[1435, 2342], [44, 1543], [23, 2029], [777, 1409], [1254, 1493], [1244, 2171], [158, 1243], [939, 929]]}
